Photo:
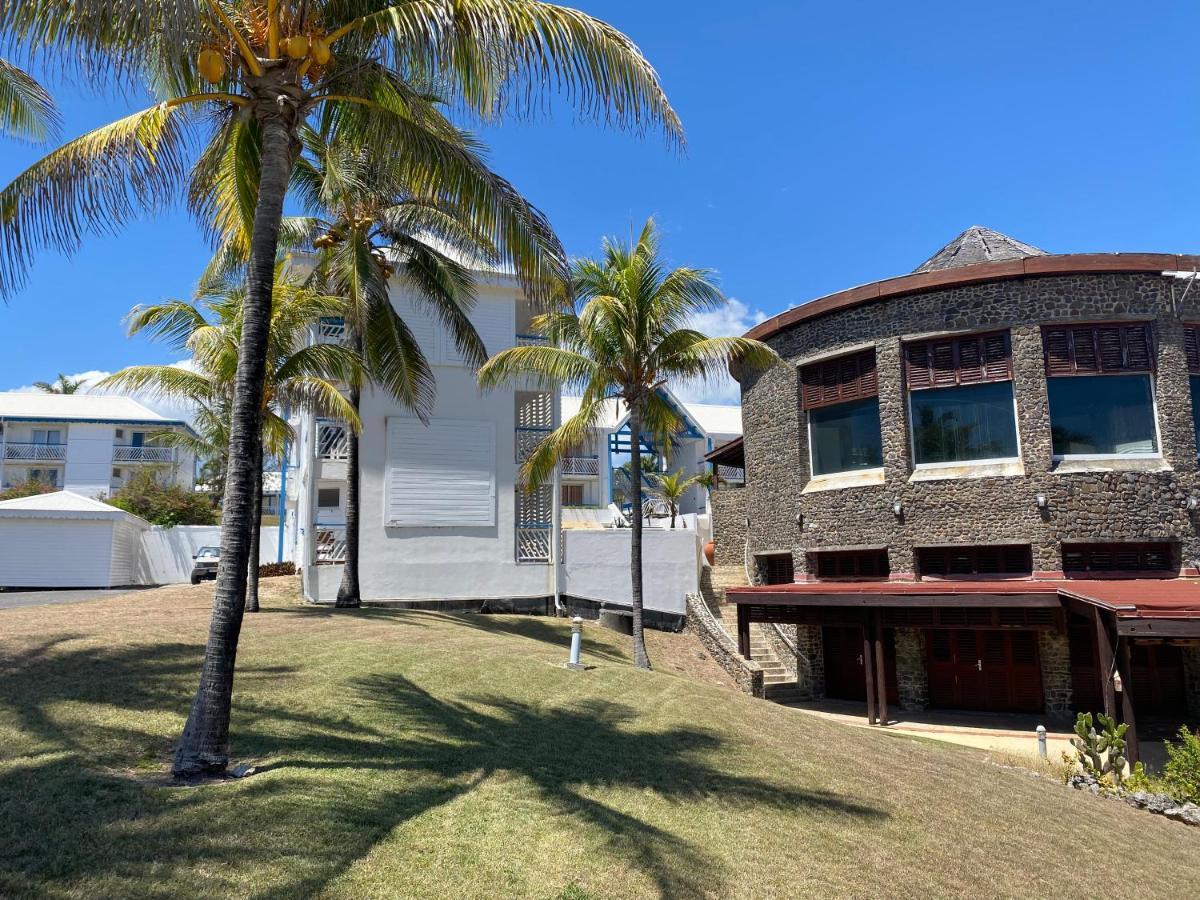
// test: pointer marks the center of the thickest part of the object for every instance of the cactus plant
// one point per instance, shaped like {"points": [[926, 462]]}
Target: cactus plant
{"points": [[1102, 754]]}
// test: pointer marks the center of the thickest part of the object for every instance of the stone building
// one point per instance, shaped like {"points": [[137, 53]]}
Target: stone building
{"points": [[976, 486]]}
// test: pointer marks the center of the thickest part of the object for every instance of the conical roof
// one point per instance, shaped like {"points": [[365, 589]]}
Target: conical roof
{"points": [[978, 245]]}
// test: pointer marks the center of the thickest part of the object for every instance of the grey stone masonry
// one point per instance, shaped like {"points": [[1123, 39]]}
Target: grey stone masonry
{"points": [[810, 661], [1055, 652], [729, 526], [912, 681], [1115, 500]]}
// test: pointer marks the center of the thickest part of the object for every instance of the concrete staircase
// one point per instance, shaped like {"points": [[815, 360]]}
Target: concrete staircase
{"points": [[778, 685]]}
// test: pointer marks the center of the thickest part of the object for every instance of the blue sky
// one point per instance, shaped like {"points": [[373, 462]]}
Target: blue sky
{"points": [[828, 145]]}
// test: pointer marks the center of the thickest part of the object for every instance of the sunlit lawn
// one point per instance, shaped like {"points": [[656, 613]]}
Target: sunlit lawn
{"points": [[419, 755]]}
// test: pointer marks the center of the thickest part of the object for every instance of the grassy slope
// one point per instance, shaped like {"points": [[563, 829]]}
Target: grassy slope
{"points": [[414, 754]]}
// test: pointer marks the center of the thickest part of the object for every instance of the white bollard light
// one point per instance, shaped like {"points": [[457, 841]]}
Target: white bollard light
{"points": [[576, 643], [1041, 733]]}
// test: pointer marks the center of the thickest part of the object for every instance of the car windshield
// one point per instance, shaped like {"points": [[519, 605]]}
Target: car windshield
{"points": [[208, 553]]}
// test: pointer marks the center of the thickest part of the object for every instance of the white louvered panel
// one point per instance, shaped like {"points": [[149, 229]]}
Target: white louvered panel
{"points": [[421, 323], [441, 474], [494, 321]]}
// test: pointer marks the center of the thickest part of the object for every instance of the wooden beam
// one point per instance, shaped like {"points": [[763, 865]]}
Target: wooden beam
{"points": [[791, 598], [743, 630], [868, 655], [880, 671], [1162, 628], [1104, 661], [1127, 716]]}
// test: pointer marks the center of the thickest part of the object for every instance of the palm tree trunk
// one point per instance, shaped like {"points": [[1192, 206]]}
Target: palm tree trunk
{"points": [[255, 537], [348, 595], [640, 658], [204, 746]]}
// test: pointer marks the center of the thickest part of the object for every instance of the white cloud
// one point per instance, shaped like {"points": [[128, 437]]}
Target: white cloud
{"points": [[172, 409], [733, 319]]}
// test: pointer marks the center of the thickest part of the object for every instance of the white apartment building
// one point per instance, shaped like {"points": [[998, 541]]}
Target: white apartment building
{"points": [[89, 444], [443, 515]]}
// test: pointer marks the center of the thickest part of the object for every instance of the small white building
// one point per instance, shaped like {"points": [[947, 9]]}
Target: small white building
{"points": [[66, 540], [90, 444]]}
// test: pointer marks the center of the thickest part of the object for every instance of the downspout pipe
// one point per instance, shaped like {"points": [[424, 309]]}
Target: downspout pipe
{"points": [[282, 505]]}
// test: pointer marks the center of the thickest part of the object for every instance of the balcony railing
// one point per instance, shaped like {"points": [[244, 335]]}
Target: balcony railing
{"points": [[533, 542], [143, 454], [333, 443], [331, 543], [734, 475], [530, 340], [581, 465], [36, 452], [331, 330]]}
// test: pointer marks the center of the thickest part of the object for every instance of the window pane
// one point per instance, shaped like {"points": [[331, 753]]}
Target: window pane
{"points": [[1102, 414], [328, 498], [1195, 381], [845, 437], [963, 423]]}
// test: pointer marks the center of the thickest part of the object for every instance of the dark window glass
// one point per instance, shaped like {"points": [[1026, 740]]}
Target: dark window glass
{"points": [[777, 568], [327, 498], [958, 424], [1010, 559], [1195, 381], [1102, 414], [852, 564], [1117, 557], [845, 437]]}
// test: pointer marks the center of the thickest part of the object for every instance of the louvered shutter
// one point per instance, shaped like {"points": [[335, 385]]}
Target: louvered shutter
{"points": [[946, 362], [1098, 349], [1191, 348], [846, 378], [440, 474]]}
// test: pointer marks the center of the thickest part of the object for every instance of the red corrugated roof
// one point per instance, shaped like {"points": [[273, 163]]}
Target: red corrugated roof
{"points": [[1177, 598]]}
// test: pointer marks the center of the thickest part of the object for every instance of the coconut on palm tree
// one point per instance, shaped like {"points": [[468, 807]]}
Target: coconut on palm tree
{"points": [[627, 335], [61, 385], [297, 376], [237, 81]]}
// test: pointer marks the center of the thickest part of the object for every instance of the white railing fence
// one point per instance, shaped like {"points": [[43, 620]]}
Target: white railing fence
{"points": [[143, 454], [333, 442], [331, 330], [37, 452], [581, 465], [732, 474], [331, 544], [533, 544]]}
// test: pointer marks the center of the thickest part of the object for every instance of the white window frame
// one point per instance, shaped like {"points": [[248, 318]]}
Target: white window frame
{"points": [[988, 461], [1069, 457], [812, 471]]}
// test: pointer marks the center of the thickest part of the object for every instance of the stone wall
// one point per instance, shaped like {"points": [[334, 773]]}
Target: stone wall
{"points": [[912, 681], [810, 661], [1191, 674], [1139, 500], [746, 673], [1055, 652], [729, 525]]}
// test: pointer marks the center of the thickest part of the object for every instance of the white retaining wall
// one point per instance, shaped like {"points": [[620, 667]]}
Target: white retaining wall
{"points": [[596, 566], [167, 552]]}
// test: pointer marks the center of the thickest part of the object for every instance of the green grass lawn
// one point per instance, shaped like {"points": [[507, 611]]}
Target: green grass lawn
{"points": [[408, 754]]}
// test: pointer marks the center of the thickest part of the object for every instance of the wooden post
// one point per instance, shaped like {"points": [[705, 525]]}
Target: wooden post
{"points": [[880, 671], [743, 628], [1125, 667], [1104, 662], [868, 655]]}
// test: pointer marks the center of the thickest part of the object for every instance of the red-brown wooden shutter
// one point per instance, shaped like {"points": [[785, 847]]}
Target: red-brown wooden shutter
{"points": [[1098, 349], [852, 377], [1191, 348], [947, 362]]}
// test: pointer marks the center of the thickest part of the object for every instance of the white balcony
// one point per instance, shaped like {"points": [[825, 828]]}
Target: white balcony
{"points": [[143, 454], [36, 452], [333, 442], [331, 330], [531, 340], [581, 465]]}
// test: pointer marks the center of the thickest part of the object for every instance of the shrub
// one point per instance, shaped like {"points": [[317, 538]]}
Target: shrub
{"points": [[269, 570], [164, 504], [1102, 754], [30, 488], [1181, 774]]}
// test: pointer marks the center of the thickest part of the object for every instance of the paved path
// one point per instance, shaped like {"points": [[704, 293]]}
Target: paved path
{"points": [[14, 599]]}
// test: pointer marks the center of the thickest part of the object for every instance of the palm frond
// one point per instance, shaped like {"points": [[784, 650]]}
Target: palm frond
{"points": [[26, 108]]}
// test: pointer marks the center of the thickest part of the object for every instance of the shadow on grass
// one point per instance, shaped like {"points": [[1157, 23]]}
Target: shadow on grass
{"points": [[346, 778]]}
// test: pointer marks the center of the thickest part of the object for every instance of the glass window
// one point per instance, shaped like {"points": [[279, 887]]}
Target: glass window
{"points": [[1102, 414], [959, 424], [329, 498], [1195, 381], [845, 437]]}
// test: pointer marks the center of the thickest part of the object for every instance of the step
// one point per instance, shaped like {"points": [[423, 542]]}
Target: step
{"points": [[781, 678]]}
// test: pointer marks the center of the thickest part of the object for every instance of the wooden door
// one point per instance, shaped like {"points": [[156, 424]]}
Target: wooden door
{"points": [[1158, 680], [845, 678], [1085, 668], [997, 671]]}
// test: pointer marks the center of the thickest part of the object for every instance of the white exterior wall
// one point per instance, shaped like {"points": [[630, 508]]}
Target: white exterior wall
{"points": [[89, 459], [126, 553], [165, 554], [596, 566], [37, 552]]}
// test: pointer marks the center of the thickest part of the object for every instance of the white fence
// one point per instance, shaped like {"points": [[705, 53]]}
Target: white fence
{"points": [[597, 566], [167, 552]]}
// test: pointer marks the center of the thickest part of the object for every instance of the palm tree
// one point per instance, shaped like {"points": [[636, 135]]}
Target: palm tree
{"points": [[239, 80], [26, 108], [627, 336], [372, 227], [672, 487], [61, 385], [297, 376]]}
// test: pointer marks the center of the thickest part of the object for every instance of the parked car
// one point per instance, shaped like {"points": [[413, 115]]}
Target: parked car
{"points": [[204, 564]]}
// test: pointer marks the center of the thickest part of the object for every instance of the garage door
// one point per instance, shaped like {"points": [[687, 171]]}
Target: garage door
{"points": [[985, 670], [55, 553]]}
